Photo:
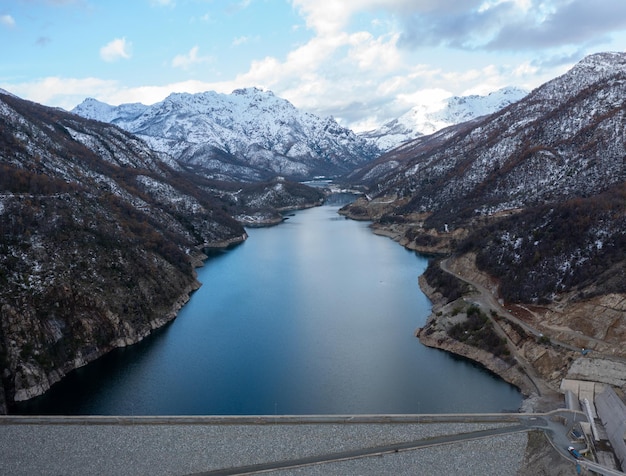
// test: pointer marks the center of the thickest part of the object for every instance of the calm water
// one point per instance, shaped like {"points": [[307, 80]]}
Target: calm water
{"points": [[315, 316]]}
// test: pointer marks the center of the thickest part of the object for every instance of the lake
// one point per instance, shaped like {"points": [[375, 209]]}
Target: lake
{"points": [[313, 316]]}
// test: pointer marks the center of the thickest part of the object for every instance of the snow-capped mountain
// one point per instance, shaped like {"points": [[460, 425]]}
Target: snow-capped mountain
{"points": [[554, 162], [427, 119], [98, 239], [563, 139], [246, 135]]}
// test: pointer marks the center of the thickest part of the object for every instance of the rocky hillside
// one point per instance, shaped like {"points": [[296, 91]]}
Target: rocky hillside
{"points": [[564, 140], [98, 240], [537, 191], [428, 119], [249, 135]]}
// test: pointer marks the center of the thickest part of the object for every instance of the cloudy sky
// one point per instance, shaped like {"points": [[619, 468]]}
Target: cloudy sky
{"points": [[362, 61]]}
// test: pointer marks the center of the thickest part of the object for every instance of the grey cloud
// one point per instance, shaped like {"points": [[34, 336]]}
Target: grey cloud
{"points": [[504, 27], [462, 29], [579, 21], [554, 61]]}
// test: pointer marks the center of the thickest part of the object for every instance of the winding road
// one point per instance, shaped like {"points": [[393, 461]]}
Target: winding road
{"points": [[487, 302]]}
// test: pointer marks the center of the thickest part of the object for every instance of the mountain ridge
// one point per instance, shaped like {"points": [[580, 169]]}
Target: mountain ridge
{"points": [[424, 120], [535, 148], [530, 202], [535, 192], [99, 240], [248, 135]]}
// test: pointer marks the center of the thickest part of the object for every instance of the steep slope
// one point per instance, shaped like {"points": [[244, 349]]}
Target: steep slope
{"points": [[424, 120], [536, 192], [529, 205], [98, 241], [248, 135]]}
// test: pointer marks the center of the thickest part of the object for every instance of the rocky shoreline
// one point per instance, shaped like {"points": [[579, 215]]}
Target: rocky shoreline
{"points": [[434, 335], [537, 362], [35, 380]]}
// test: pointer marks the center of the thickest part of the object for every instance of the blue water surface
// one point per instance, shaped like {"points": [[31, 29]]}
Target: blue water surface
{"points": [[314, 316]]}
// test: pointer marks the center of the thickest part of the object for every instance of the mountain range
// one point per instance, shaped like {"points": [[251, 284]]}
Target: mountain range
{"points": [[536, 190], [252, 135], [249, 135], [104, 213]]}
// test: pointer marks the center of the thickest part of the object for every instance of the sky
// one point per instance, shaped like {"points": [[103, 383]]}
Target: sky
{"points": [[364, 62]]}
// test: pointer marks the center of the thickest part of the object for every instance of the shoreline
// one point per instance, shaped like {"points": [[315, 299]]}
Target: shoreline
{"points": [[46, 381], [535, 390]]}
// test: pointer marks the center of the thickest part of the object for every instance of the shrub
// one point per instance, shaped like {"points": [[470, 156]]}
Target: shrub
{"points": [[477, 331], [445, 283]]}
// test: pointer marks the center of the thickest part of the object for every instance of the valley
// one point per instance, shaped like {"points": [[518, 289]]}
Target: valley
{"points": [[105, 218]]}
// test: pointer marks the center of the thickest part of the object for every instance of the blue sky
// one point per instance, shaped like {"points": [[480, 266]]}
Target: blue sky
{"points": [[362, 61]]}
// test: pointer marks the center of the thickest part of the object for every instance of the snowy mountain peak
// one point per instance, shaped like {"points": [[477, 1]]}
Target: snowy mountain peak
{"points": [[459, 109], [249, 134], [251, 91], [601, 62], [586, 73], [427, 119], [91, 108]]}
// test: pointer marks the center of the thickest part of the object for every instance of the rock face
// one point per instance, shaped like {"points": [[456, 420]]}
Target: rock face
{"points": [[599, 370], [436, 333], [503, 346], [99, 238], [249, 135]]}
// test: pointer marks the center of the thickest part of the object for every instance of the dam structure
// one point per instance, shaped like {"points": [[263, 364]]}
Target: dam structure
{"points": [[487, 444]]}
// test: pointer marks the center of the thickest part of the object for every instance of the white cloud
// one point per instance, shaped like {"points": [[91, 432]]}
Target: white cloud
{"points": [[325, 17], [370, 53], [430, 98], [362, 76], [189, 59], [61, 92], [117, 49], [7, 20], [332, 16]]}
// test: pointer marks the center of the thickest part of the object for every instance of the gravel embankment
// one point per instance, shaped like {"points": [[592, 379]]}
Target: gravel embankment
{"points": [[179, 449]]}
